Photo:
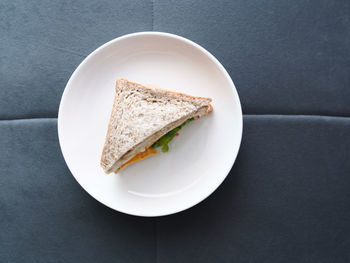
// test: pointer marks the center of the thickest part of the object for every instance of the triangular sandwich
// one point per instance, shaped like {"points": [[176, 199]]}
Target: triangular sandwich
{"points": [[144, 118]]}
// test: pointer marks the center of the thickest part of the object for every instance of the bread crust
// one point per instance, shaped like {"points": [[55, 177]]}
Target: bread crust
{"points": [[162, 90], [102, 163]]}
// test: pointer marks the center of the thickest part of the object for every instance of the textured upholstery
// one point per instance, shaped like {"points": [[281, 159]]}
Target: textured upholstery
{"points": [[42, 42], [286, 198]]}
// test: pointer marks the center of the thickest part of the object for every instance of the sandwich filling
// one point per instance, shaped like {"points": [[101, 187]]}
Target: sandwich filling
{"points": [[140, 156], [161, 142], [168, 137]]}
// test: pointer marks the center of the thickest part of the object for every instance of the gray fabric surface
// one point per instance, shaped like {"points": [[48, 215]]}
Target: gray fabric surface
{"points": [[280, 203], [285, 57], [45, 216], [42, 42], [293, 56], [286, 198]]}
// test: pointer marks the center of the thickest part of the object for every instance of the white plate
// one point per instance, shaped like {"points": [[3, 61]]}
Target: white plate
{"points": [[198, 160]]}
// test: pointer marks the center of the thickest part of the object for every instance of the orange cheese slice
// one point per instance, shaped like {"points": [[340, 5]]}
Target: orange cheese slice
{"points": [[140, 156]]}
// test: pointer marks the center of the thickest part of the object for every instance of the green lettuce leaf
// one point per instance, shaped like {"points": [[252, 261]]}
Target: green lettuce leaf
{"points": [[166, 138]]}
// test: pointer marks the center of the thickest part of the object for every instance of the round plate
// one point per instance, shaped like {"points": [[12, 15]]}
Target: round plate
{"points": [[198, 160]]}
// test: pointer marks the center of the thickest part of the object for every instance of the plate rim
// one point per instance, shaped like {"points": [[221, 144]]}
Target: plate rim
{"points": [[202, 50]]}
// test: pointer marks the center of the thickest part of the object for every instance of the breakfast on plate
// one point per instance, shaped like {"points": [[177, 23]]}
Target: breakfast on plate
{"points": [[145, 118]]}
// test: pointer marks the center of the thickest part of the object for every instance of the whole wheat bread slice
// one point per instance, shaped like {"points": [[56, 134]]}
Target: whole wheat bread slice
{"points": [[140, 116]]}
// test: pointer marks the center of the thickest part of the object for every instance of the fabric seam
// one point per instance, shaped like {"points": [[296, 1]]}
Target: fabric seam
{"points": [[152, 15], [247, 115]]}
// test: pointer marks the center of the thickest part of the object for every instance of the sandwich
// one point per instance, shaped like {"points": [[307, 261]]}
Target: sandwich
{"points": [[145, 118]]}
